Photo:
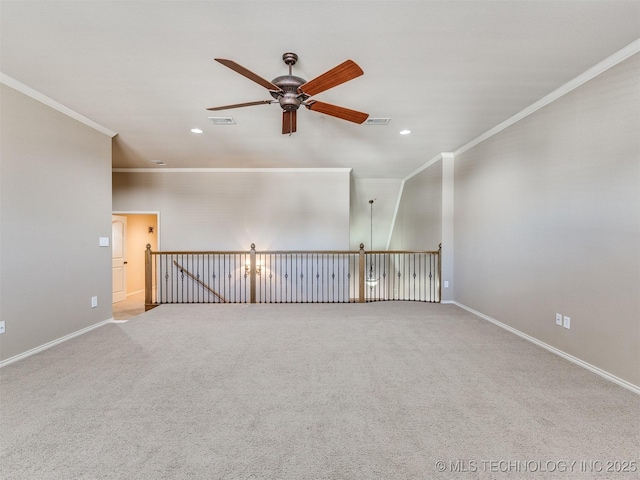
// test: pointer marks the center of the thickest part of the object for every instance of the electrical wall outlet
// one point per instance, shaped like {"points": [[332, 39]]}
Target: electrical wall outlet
{"points": [[1, 327], [567, 322], [94, 302], [559, 319]]}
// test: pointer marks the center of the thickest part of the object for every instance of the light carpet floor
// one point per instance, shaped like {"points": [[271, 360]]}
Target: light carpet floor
{"points": [[356, 391], [129, 308]]}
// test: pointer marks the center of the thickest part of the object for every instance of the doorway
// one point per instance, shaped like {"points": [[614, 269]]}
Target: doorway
{"points": [[141, 229], [118, 258]]}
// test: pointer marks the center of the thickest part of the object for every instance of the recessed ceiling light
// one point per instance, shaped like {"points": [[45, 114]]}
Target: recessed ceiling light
{"points": [[196, 130], [405, 132]]}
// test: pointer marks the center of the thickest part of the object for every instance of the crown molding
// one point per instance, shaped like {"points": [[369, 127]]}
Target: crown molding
{"points": [[606, 64], [424, 167], [231, 170], [42, 98]]}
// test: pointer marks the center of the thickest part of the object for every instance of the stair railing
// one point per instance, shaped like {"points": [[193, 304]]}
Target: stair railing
{"points": [[291, 276]]}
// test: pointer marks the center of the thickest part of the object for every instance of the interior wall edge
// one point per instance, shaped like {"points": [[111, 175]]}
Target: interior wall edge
{"points": [[53, 343], [609, 62], [395, 214], [575, 360], [50, 102]]}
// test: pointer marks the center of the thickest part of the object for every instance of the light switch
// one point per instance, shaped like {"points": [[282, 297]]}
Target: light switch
{"points": [[104, 241]]}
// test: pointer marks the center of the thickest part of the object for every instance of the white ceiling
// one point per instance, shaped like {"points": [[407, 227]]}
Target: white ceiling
{"points": [[449, 71]]}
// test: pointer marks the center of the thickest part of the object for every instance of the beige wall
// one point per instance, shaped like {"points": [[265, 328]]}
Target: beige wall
{"points": [[55, 193], [418, 224], [231, 210], [547, 219], [384, 192]]}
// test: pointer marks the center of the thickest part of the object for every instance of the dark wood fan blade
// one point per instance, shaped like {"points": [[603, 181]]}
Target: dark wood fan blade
{"points": [[344, 72], [247, 73], [339, 112], [289, 122], [237, 105]]}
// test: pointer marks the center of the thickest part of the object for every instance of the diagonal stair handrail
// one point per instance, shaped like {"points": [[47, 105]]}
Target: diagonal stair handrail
{"points": [[197, 280]]}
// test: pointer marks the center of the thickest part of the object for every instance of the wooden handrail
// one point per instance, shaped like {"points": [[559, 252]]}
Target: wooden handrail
{"points": [[390, 252], [195, 252], [197, 280]]}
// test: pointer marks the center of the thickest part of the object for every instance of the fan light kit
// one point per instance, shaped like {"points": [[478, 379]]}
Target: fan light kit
{"points": [[291, 91]]}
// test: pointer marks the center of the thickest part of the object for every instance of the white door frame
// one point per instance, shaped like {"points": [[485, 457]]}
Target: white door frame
{"points": [[119, 258], [143, 212]]}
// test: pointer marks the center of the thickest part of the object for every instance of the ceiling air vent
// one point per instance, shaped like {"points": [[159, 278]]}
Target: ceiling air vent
{"points": [[222, 120], [377, 121]]}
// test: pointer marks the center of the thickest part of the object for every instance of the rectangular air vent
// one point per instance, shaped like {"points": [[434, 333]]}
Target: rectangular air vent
{"points": [[222, 120], [377, 121]]}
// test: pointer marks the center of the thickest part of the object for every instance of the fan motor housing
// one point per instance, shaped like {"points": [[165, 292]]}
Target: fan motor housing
{"points": [[289, 97]]}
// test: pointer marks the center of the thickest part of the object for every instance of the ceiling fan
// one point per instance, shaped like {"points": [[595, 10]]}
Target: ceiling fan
{"points": [[291, 91]]}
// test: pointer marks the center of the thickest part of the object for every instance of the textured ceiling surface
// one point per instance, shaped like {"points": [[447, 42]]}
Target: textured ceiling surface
{"points": [[448, 71]]}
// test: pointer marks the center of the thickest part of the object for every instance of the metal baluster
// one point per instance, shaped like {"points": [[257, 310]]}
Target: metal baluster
{"points": [[315, 294], [159, 280]]}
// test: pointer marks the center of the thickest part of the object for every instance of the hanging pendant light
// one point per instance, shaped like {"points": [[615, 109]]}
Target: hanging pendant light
{"points": [[371, 279]]}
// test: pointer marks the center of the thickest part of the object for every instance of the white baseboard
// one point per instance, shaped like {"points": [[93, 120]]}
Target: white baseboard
{"points": [[598, 371], [135, 293], [53, 343]]}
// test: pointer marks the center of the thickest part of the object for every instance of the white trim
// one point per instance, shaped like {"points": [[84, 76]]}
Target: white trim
{"points": [[598, 371], [53, 343], [424, 167], [144, 212], [42, 98], [434, 160], [395, 213], [231, 170], [119, 321], [607, 63], [135, 293], [136, 212]]}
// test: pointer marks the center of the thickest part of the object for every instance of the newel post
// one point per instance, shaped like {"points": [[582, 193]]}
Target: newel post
{"points": [[147, 278], [440, 273], [252, 274], [361, 270]]}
